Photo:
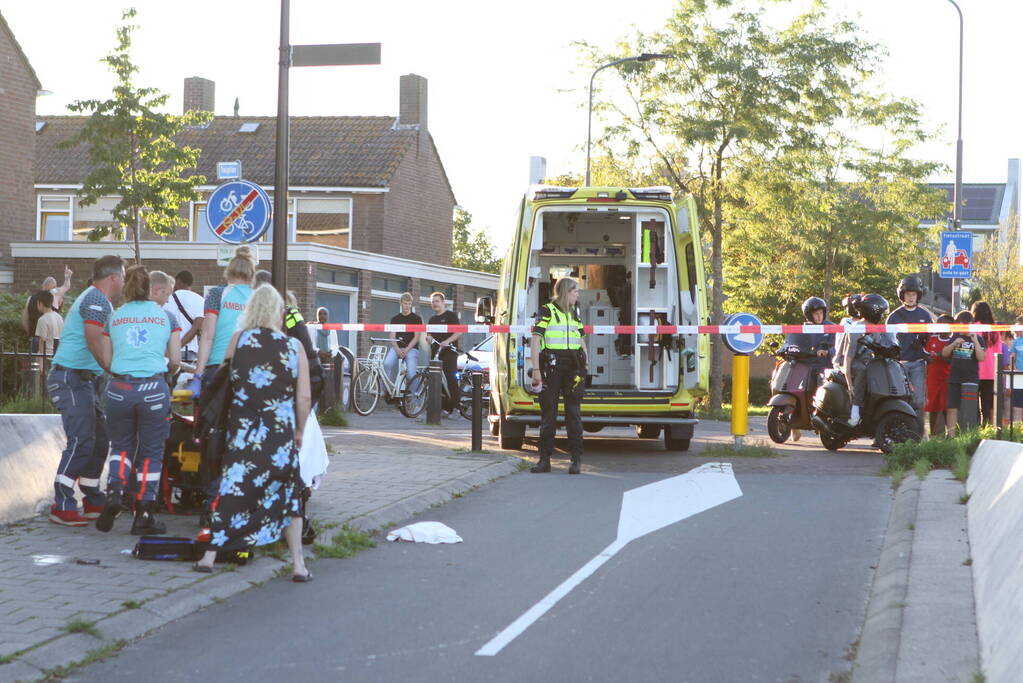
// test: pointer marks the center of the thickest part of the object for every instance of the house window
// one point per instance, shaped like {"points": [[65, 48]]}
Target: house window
{"points": [[268, 236], [98, 215], [428, 288], [390, 284], [337, 277], [55, 218], [326, 221]]}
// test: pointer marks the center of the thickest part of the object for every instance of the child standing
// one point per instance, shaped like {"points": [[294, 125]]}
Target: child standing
{"points": [[965, 351], [938, 369]]}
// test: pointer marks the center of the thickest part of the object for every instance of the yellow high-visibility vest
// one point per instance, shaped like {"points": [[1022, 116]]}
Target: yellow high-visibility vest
{"points": [[562, 332]]}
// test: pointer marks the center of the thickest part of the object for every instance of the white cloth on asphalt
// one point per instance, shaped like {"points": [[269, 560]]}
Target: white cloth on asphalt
{"points": [[425, 532], [312, 457]]}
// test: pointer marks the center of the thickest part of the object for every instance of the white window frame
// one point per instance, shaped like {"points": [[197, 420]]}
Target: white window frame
{"points": [[70, 213]]}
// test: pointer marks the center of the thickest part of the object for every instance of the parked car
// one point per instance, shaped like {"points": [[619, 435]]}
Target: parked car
{"points": [[483, 352]]}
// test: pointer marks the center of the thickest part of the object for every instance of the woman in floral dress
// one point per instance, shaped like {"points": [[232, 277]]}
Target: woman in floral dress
{"points": [[260, 491]]}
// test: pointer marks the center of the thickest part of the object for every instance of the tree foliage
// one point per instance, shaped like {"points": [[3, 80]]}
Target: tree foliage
{"points": [[471, 249], [744, 117], [133, 153], [998, 274]]}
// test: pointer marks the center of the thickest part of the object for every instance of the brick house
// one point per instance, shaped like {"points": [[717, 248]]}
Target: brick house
{"points": [[369, 213], [18, 89]]}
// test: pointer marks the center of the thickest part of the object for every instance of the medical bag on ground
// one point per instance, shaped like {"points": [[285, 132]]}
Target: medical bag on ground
{"points": [[171, 548]]}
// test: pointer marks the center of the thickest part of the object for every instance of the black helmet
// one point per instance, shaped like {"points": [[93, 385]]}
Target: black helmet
{"points": [[873, 308], [910, 284], [849, 304], [814, 303]]}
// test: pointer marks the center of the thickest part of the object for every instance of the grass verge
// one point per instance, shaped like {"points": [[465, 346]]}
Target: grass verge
{"points": [[91, 657], [27, 404], [922, 466], [725, 413], [334, 417], [345, 543], [753, 449], [945, 454]]}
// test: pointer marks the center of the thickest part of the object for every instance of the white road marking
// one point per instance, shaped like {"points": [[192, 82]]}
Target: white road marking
{"points": [[644, 510]]}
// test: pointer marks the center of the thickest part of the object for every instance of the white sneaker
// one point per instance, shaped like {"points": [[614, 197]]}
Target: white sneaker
{"points": [[796, 435], [854, 418]]}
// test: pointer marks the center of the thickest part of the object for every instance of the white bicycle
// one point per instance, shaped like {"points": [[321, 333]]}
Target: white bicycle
{"points": [[371, 380]]}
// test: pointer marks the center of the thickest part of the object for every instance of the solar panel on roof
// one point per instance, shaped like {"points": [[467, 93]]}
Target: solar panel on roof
{"points": [[980, 203]]}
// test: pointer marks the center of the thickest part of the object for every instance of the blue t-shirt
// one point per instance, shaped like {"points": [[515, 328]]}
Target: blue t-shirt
{"points": [[912, 344], [228, 304], [1017, 352], [90, 308], [139, 332]]}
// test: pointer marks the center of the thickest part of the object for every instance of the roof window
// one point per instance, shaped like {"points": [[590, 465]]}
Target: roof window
{"points": [[40, 125], [249, 127]]}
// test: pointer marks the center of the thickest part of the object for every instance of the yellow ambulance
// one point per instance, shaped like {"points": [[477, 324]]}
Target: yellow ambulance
{"points": [[637, 256]]}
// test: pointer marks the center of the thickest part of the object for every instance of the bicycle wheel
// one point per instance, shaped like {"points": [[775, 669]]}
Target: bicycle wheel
{"points": [[367, 391], [413, 400]]}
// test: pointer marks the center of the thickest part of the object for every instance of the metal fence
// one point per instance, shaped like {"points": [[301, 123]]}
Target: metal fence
{"points": [[23, 372]]}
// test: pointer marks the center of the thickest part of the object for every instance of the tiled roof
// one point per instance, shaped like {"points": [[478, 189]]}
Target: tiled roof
{"points": [[982, 202], [326, 151]]}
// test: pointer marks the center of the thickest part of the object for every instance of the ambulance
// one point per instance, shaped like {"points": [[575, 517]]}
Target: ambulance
{"points": [[637, 256]]}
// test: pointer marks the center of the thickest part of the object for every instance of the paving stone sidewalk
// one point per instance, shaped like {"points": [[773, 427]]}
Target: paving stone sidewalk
{"points": [[383, 470]]}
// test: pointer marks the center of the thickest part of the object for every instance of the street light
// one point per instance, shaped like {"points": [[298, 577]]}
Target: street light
{"points": [[645, 57], [957, 192]]}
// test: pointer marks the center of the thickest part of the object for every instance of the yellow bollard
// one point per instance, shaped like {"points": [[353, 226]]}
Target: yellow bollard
{"points": [[740, 397]]}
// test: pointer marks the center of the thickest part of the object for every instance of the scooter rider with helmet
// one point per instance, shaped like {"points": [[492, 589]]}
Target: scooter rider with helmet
{"points": [[821, 344], [842, 338], [911, 345], [873, 309]]}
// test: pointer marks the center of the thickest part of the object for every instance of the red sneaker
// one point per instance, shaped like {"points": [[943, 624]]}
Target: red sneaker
{"points": [[204, 536], [67, 517], [90, 511]]}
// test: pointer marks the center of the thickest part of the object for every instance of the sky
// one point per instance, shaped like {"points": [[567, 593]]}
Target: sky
{"points": [[505, 82]]}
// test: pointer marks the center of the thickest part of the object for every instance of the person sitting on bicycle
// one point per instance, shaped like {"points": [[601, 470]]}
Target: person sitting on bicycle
{"points": [[404, 345], [445, 347]]}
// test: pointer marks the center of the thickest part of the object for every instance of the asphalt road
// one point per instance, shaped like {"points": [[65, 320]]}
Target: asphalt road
{"points": [[771, 586]]}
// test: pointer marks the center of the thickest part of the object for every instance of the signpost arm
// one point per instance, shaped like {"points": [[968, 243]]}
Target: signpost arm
{"points": [[279, 264]]}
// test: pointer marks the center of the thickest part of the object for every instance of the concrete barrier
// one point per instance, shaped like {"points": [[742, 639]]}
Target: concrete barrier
{"points": [[30, 448], [995, 519]]}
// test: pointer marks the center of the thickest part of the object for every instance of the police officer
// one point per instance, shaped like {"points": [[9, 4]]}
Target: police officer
{"points": [[559, 369], [145, 342], [73, 383]]}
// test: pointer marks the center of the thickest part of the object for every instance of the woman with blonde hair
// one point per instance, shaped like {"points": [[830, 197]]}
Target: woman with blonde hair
{"points": [[223, 308], [259, 498], [559, 369]]}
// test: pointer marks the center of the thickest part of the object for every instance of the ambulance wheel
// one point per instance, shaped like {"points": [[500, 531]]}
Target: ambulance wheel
{"points": [[832, 443], [648, 431], [510, 435], [592, 428], [777, 427], [676, 444]]}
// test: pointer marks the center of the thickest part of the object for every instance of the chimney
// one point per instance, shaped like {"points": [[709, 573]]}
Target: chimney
{"points": [[412, 107], [198, 94]]}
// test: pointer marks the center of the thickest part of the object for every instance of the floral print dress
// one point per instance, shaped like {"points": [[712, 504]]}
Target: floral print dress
{"points": [[260, 487]]}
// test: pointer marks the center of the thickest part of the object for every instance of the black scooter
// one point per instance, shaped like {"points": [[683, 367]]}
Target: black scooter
{"points": [[887, 415]]}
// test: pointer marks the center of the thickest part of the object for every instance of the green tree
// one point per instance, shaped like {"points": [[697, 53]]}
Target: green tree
{"points": [[998, 273], [133, 153], [738, 89], [471, 249]]}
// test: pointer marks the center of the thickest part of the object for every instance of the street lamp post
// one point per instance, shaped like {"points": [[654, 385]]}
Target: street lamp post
{"points": [[957, 192], [645, 57]]}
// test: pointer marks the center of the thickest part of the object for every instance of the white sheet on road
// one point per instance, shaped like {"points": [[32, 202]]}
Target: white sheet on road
{"points": [[644, 509], [425, 532]]}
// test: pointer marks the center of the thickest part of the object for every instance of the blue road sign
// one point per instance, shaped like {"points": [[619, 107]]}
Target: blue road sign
{"points": [[956, 257], [238, 212], [743, 342]]}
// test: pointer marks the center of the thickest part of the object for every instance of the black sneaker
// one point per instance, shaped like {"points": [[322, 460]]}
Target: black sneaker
{"points": [[112, 507], [145, 523]]}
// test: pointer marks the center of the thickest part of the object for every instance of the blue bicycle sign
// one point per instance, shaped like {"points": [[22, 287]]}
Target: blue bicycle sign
{"points": [[238, 212]]}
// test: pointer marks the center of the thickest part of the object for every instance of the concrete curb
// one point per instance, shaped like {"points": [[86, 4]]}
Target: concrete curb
{"points": [[71, 649], [878, 653]]}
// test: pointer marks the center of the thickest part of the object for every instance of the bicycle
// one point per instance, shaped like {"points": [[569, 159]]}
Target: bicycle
{"points": [[370, 378], [464, 385]]}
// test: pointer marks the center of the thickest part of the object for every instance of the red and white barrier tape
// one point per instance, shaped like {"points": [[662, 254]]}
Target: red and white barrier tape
{"points": [[911, 328]]}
